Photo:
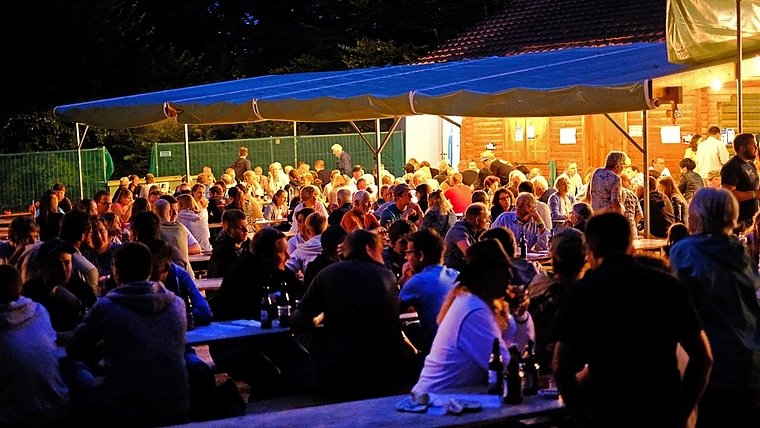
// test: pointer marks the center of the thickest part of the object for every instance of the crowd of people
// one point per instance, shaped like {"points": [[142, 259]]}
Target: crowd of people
{"points": [[96, 295]]}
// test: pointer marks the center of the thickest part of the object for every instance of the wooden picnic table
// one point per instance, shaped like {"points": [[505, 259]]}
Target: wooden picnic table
{"points": [[208, 284], [229, 331], [381, 412], [656, 244]]}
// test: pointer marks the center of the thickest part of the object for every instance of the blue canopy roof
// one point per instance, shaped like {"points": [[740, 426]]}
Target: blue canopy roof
{"points": [[585, 80]]}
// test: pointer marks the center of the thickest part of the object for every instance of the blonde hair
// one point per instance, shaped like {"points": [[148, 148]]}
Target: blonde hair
{"points": [[187, 202], [437, 200]]}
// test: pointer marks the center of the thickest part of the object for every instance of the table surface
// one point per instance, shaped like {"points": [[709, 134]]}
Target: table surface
{"points": [[208, 283], [649, 244], [229, 331], [202, 257], [381, 412]]}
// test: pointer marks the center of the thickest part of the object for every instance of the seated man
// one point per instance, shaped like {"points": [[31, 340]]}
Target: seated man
{"points": [[393, 253], [358, 216], [458, 194], [430, 282], [403, 207], [344, 205], [362, 336], [22, 234], [230, 244], [661, 215], [65, 296], [314, 225], [145, 380], [172, 231], [330, 239], [463, 234], [525, 221], [32, 392]]}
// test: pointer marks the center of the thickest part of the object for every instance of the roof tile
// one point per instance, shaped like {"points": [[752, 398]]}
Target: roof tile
{"points": [[544, 25]]}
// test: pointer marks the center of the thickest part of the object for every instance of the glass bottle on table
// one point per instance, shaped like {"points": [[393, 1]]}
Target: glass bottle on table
{"points": [[523, 246], [496, 370], [514, 394], [189, 310], [266, 310], [530, 369]]}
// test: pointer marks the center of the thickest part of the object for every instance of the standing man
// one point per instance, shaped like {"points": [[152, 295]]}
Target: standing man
{"points": [[647, 328], [605, 186], [322, 173], [498, 167], [658, 165], [241, 164], [525, 220], [711, 153], [739, 176], [344, 160]]}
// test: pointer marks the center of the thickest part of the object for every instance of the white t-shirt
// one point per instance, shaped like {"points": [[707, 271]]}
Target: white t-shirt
{"points": [[461, 348]]}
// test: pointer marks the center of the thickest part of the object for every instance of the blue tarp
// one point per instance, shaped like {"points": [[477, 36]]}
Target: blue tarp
{"points": [[584, 80]]}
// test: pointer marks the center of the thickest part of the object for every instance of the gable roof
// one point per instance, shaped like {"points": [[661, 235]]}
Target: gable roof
{"points": [[544, 25]]}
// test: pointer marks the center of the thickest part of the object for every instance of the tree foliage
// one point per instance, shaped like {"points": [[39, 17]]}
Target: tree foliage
{"points": [[68, 51]]}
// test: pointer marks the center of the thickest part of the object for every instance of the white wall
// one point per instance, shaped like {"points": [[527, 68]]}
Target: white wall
{"points": [[429, 137]]}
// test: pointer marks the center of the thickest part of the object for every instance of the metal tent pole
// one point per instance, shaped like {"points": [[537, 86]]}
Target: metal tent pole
{"points": [[378, 154], [739, 66], [295, 144], [187, 154], [80, 141], [645, 153]]}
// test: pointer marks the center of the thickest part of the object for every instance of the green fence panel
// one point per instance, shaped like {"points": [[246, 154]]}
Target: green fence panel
{"points": [[24, 177], [169, 158]]}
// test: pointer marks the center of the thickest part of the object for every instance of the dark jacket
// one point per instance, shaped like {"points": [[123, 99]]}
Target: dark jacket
{"points": [[661, 215], [224, 255], [689, 183], [243, 287], [240, 165]]}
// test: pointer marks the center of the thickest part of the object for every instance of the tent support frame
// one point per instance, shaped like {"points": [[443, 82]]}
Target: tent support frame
{"points": [[380, 143], [80, 141]]}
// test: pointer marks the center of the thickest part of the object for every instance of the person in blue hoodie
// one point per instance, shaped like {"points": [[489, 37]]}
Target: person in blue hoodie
{"points": [[142, 328], [715, 266], [32, 392]]}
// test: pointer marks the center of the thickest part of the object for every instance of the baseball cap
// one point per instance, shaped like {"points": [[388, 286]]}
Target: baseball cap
{"points": [[400, 189]]}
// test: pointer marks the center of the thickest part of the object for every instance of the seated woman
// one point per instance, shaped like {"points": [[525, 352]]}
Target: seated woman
{"points": [[561, 202], [471, 317], [440, 215], [579, 216], [502, 202], [122, 204], [278, 210], [190, 216]]}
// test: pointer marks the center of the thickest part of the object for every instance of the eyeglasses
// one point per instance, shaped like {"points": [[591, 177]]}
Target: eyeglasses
{"points": [[407, 252], [108, 204]]}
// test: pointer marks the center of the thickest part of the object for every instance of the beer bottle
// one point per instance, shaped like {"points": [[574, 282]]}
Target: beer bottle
{"points": [[523, 246], [189, 311], [530, 367], [274, 318], [266, 310], [495, 370], [514, 377]]}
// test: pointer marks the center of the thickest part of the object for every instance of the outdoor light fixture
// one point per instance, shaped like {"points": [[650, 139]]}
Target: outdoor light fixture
{"points": [[716, 84]]}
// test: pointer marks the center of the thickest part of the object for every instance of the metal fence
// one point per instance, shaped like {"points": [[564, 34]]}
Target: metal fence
{"points": [[169, 158], [24, 177]]}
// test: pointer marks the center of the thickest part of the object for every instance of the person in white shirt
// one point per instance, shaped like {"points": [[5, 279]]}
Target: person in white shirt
{"points": [[711, 153], [472, 316], [314, 225]]}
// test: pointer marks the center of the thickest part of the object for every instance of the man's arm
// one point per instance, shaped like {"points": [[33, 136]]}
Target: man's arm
{"points": [[722, 153], [567, 363], [697, 370], [741, 195]]}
